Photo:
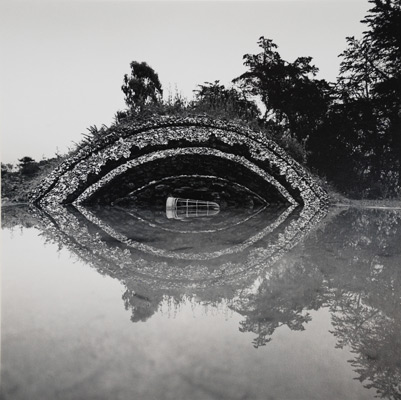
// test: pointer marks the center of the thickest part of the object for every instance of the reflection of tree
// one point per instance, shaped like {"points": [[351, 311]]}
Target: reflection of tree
{"points": [[142, 307], [283, 299], [351, 265], [375, 338], [16, 216], [366, 304]]}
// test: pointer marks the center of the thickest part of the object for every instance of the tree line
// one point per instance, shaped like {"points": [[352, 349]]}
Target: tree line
{"points": [[348, 131]]}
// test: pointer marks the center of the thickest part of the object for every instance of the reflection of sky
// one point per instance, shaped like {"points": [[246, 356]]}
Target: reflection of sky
{"points": [[51, 301], [63, 62]]}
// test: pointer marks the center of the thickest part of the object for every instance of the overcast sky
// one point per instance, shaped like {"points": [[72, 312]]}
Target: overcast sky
{"points": [[62, 62]]}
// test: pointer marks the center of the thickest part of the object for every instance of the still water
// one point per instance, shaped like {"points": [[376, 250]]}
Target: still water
{"points": [[114, 303]]}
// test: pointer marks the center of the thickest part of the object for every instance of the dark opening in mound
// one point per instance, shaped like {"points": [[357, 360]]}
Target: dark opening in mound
{"points": [[189, 176]]}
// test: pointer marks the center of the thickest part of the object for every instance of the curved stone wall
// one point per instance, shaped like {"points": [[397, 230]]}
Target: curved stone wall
{"points": [[202, 145]]}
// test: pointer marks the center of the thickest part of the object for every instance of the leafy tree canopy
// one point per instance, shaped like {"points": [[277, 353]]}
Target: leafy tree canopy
{"points": [[28, 166], [289, 91], [141, 87], [369, 94]]}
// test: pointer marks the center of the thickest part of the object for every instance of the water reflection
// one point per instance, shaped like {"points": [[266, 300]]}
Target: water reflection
{"points": [[174, 258], [353, 267], [350, 263], [365, 285], [222, 262]]}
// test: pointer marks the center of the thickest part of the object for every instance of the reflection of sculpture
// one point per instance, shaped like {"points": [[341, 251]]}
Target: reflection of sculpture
{"points": [[358, 278], [148, 272], [205, 243]]}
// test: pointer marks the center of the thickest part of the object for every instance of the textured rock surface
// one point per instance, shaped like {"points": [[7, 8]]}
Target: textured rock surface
{"points": [[167, 146]]}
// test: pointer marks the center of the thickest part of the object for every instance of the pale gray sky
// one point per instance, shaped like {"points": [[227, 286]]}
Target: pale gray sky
{"points": [[62, 62]]}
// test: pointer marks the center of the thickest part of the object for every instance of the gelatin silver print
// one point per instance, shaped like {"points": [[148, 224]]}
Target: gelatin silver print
{"points": [[200, 200]]}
